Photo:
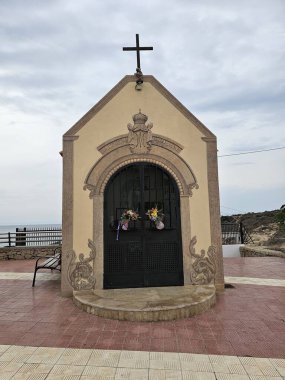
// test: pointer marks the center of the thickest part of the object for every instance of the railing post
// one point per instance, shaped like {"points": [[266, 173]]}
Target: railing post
{"points": [[9, 238], [241, 233], [20, 237]]}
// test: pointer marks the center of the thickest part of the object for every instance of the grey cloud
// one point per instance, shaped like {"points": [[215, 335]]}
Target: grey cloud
{"points": [[223, 60]]}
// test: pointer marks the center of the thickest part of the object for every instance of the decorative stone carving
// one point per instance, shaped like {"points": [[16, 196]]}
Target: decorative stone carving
{"points": [[140, 135], [166, 143], [204, 266], [140, 145], [92, 190], [191, 187], [80, 274], [112, 144], [158, 140], [102, 171]]}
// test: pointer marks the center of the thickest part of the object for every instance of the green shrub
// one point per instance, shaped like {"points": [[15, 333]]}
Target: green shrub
{"points": [[280, 216]]}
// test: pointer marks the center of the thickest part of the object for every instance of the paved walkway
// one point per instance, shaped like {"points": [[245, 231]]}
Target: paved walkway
{"points": [[254, 281], [247, 321], [23, 363]]}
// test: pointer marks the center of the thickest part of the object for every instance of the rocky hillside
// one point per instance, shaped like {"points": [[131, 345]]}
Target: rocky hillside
{"points": [[262, 226]]}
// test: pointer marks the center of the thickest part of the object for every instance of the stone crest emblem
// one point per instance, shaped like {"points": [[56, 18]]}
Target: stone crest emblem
{"points": [[140, 135]]}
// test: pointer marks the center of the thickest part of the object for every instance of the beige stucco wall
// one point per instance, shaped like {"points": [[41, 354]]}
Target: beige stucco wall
{"points": [[112, 121]]}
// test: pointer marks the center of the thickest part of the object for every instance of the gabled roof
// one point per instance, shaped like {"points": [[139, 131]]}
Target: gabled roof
{"points": [[158, 86]]}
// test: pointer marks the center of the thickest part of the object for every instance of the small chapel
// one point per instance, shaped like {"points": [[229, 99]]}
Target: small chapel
{"points": [[141, 212]]}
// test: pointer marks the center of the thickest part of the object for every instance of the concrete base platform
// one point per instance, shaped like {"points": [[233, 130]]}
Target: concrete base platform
{"points": [[147, 304]]}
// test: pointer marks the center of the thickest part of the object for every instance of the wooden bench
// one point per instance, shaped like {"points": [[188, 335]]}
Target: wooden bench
{"points": [[51, 262]]}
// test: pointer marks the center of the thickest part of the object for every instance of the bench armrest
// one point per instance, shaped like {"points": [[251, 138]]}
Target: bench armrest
{"points": [[39, 258], [57, 250]]}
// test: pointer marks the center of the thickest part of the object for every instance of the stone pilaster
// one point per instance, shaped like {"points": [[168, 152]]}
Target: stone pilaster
{"points": [[214, 206], [67, 212], [98, 233]]}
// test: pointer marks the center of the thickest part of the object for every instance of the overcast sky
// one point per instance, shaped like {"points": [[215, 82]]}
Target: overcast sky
{"points": [[224, 60]]}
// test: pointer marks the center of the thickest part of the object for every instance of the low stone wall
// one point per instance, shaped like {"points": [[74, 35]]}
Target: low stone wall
{"points": [[22, 253], [231, 250], [255, 251]]}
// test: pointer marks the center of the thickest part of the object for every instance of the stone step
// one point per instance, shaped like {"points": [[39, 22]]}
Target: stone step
{"points": [[147, 304]]}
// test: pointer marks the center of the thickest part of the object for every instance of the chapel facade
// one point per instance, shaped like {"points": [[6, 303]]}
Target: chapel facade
{"points": [[137, 151]]}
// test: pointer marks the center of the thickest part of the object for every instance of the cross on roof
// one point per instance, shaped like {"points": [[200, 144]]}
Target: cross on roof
{"points": [[138, 48]]}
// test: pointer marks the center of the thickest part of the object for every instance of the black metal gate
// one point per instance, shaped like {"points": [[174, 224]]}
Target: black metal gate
{"points": [[143, 256]]}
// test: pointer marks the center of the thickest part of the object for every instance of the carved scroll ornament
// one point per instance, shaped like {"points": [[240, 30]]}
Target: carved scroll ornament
{"points": [[80, 274], [204, 266]]}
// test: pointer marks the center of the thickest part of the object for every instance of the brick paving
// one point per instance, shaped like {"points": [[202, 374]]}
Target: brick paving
{"points": [[248, 320], [259, 267]]}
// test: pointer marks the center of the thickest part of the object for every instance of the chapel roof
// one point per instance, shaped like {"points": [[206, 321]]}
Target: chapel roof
{"points": [[158, 86]]}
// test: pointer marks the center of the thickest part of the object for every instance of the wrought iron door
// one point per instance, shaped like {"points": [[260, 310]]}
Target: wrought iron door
{"points": [[142, 256]]}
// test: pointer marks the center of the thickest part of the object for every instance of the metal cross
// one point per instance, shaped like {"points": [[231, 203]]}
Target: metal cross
{"points": [[138, 48]]}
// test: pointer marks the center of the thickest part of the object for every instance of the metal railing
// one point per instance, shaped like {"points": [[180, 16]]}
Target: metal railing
{"points": [[24, 237], [235, 233], [232, 233]]}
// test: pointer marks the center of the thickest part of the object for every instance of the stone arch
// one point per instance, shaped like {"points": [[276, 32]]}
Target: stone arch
{"points": [[104, 168], [137, 160]]}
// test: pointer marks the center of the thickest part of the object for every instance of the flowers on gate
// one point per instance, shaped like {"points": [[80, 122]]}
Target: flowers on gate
{"points": [[128, 215], [156, 216]]}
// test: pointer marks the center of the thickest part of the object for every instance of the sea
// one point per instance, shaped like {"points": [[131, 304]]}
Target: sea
{"points": [[12, 228]]}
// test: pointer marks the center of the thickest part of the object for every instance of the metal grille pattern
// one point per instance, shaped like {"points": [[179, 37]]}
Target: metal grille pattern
{"points": [[162, 256], [114, 261], [143, 255]]}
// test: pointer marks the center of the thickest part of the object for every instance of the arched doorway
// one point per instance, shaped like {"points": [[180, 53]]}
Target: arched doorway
{"points": [[143, 256]]}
